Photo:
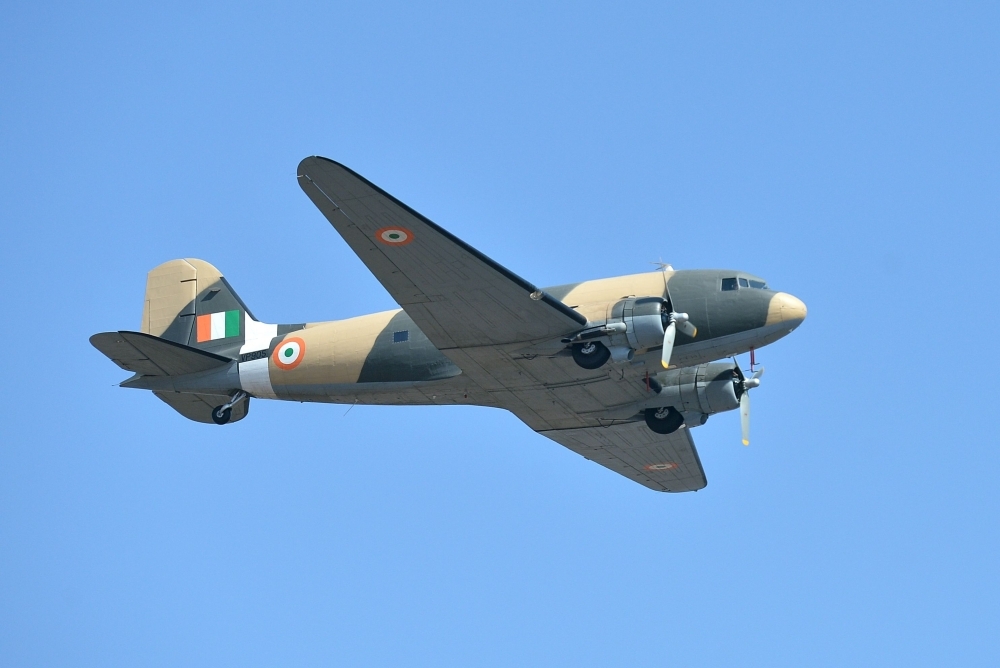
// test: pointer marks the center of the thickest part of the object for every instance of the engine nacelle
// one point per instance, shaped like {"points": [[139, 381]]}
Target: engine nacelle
{"points": [[633, 324], [644, 319], [700, 390]]}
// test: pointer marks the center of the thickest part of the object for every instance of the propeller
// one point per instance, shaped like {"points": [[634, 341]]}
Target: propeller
{"points": [[674, 322], [743, 387]]}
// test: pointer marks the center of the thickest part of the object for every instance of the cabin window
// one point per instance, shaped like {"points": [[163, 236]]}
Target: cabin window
{"points": [[400, 337], [744, 283], [729, 284], [760, 285]]}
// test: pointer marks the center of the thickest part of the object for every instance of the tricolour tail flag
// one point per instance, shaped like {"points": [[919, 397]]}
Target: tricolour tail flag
{"points": [[222, 325]]}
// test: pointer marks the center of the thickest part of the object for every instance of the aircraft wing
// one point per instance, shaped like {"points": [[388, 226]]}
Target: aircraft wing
{"points": [[456, 295], [475, 311], [665, 463]]}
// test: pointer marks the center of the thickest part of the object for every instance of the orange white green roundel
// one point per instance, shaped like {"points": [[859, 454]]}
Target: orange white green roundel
{"points": [[289, 353], [666, 466], [394, 236]]}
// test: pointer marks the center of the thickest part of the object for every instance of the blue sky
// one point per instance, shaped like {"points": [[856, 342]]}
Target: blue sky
{"points": [[846, 152]]}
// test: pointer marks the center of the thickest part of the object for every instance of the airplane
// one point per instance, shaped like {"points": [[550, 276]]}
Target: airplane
{"points": [[618, 370]]}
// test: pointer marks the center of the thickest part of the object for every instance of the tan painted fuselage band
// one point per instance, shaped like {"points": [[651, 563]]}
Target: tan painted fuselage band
{"points": [[334, 351]]}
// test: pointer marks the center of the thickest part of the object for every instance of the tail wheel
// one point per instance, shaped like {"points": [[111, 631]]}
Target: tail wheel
{"points": [[591, 354], [664, 420], [220, 415]]}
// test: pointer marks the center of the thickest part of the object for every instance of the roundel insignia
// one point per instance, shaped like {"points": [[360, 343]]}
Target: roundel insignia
{"points": [[289, 353], [667, 466], [394, 236]]}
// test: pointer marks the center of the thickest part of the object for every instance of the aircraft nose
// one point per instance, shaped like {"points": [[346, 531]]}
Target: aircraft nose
{"points": [[785, 308]]}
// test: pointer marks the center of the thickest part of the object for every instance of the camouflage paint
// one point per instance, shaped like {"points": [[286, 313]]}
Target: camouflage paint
{"points": [[398, 357], [594, 299], [385, 358], [713, 311]]}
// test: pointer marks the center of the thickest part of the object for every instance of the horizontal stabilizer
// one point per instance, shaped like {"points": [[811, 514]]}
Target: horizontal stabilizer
{"points": [[152, 356], [198, 407]]}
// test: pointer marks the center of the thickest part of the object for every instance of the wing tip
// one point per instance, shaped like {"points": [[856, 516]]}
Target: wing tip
{"points": [[313, 160]]}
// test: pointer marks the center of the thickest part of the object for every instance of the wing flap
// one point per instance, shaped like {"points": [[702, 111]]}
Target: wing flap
{"points": [[457, 296], [665, 463]]}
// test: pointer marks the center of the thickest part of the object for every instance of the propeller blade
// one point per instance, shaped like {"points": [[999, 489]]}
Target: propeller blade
{"points": [[684, 324], [668, 344], [687, 328], [745, 417]]}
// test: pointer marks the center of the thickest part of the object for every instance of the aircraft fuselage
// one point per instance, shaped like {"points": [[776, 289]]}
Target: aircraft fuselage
{"points": [[384, 358]]}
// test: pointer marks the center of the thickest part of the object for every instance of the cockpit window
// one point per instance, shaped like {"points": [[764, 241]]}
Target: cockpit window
{"points": [[740, 282]]}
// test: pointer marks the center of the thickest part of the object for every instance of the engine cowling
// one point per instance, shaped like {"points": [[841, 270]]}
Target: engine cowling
{"points": [[699, 390], [633, 324], [644, 319]]}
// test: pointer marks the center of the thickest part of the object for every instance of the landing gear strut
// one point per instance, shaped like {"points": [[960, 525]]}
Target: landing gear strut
{"points": [[221, 414], [664, 420]]}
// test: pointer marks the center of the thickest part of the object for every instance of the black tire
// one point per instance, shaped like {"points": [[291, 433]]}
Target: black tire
{"points": [[591, 355], [669, 420], [221, 416]]}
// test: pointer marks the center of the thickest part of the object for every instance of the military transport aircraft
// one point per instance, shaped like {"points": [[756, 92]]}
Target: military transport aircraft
{"points": [[617, 369]]}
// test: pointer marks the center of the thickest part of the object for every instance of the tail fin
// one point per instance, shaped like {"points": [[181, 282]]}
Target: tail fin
{"points": [[189, 302]]}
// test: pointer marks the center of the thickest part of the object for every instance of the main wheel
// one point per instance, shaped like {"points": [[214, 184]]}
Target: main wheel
{"points": [[220, 416], [591, 355], [664, 420]]}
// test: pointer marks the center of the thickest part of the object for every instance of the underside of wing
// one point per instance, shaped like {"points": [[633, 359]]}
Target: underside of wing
{"points": [[456, 295], [665, 463]]}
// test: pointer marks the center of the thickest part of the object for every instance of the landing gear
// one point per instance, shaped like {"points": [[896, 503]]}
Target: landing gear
{"points": [[221, 414], [591, 354], [664, 420]]}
